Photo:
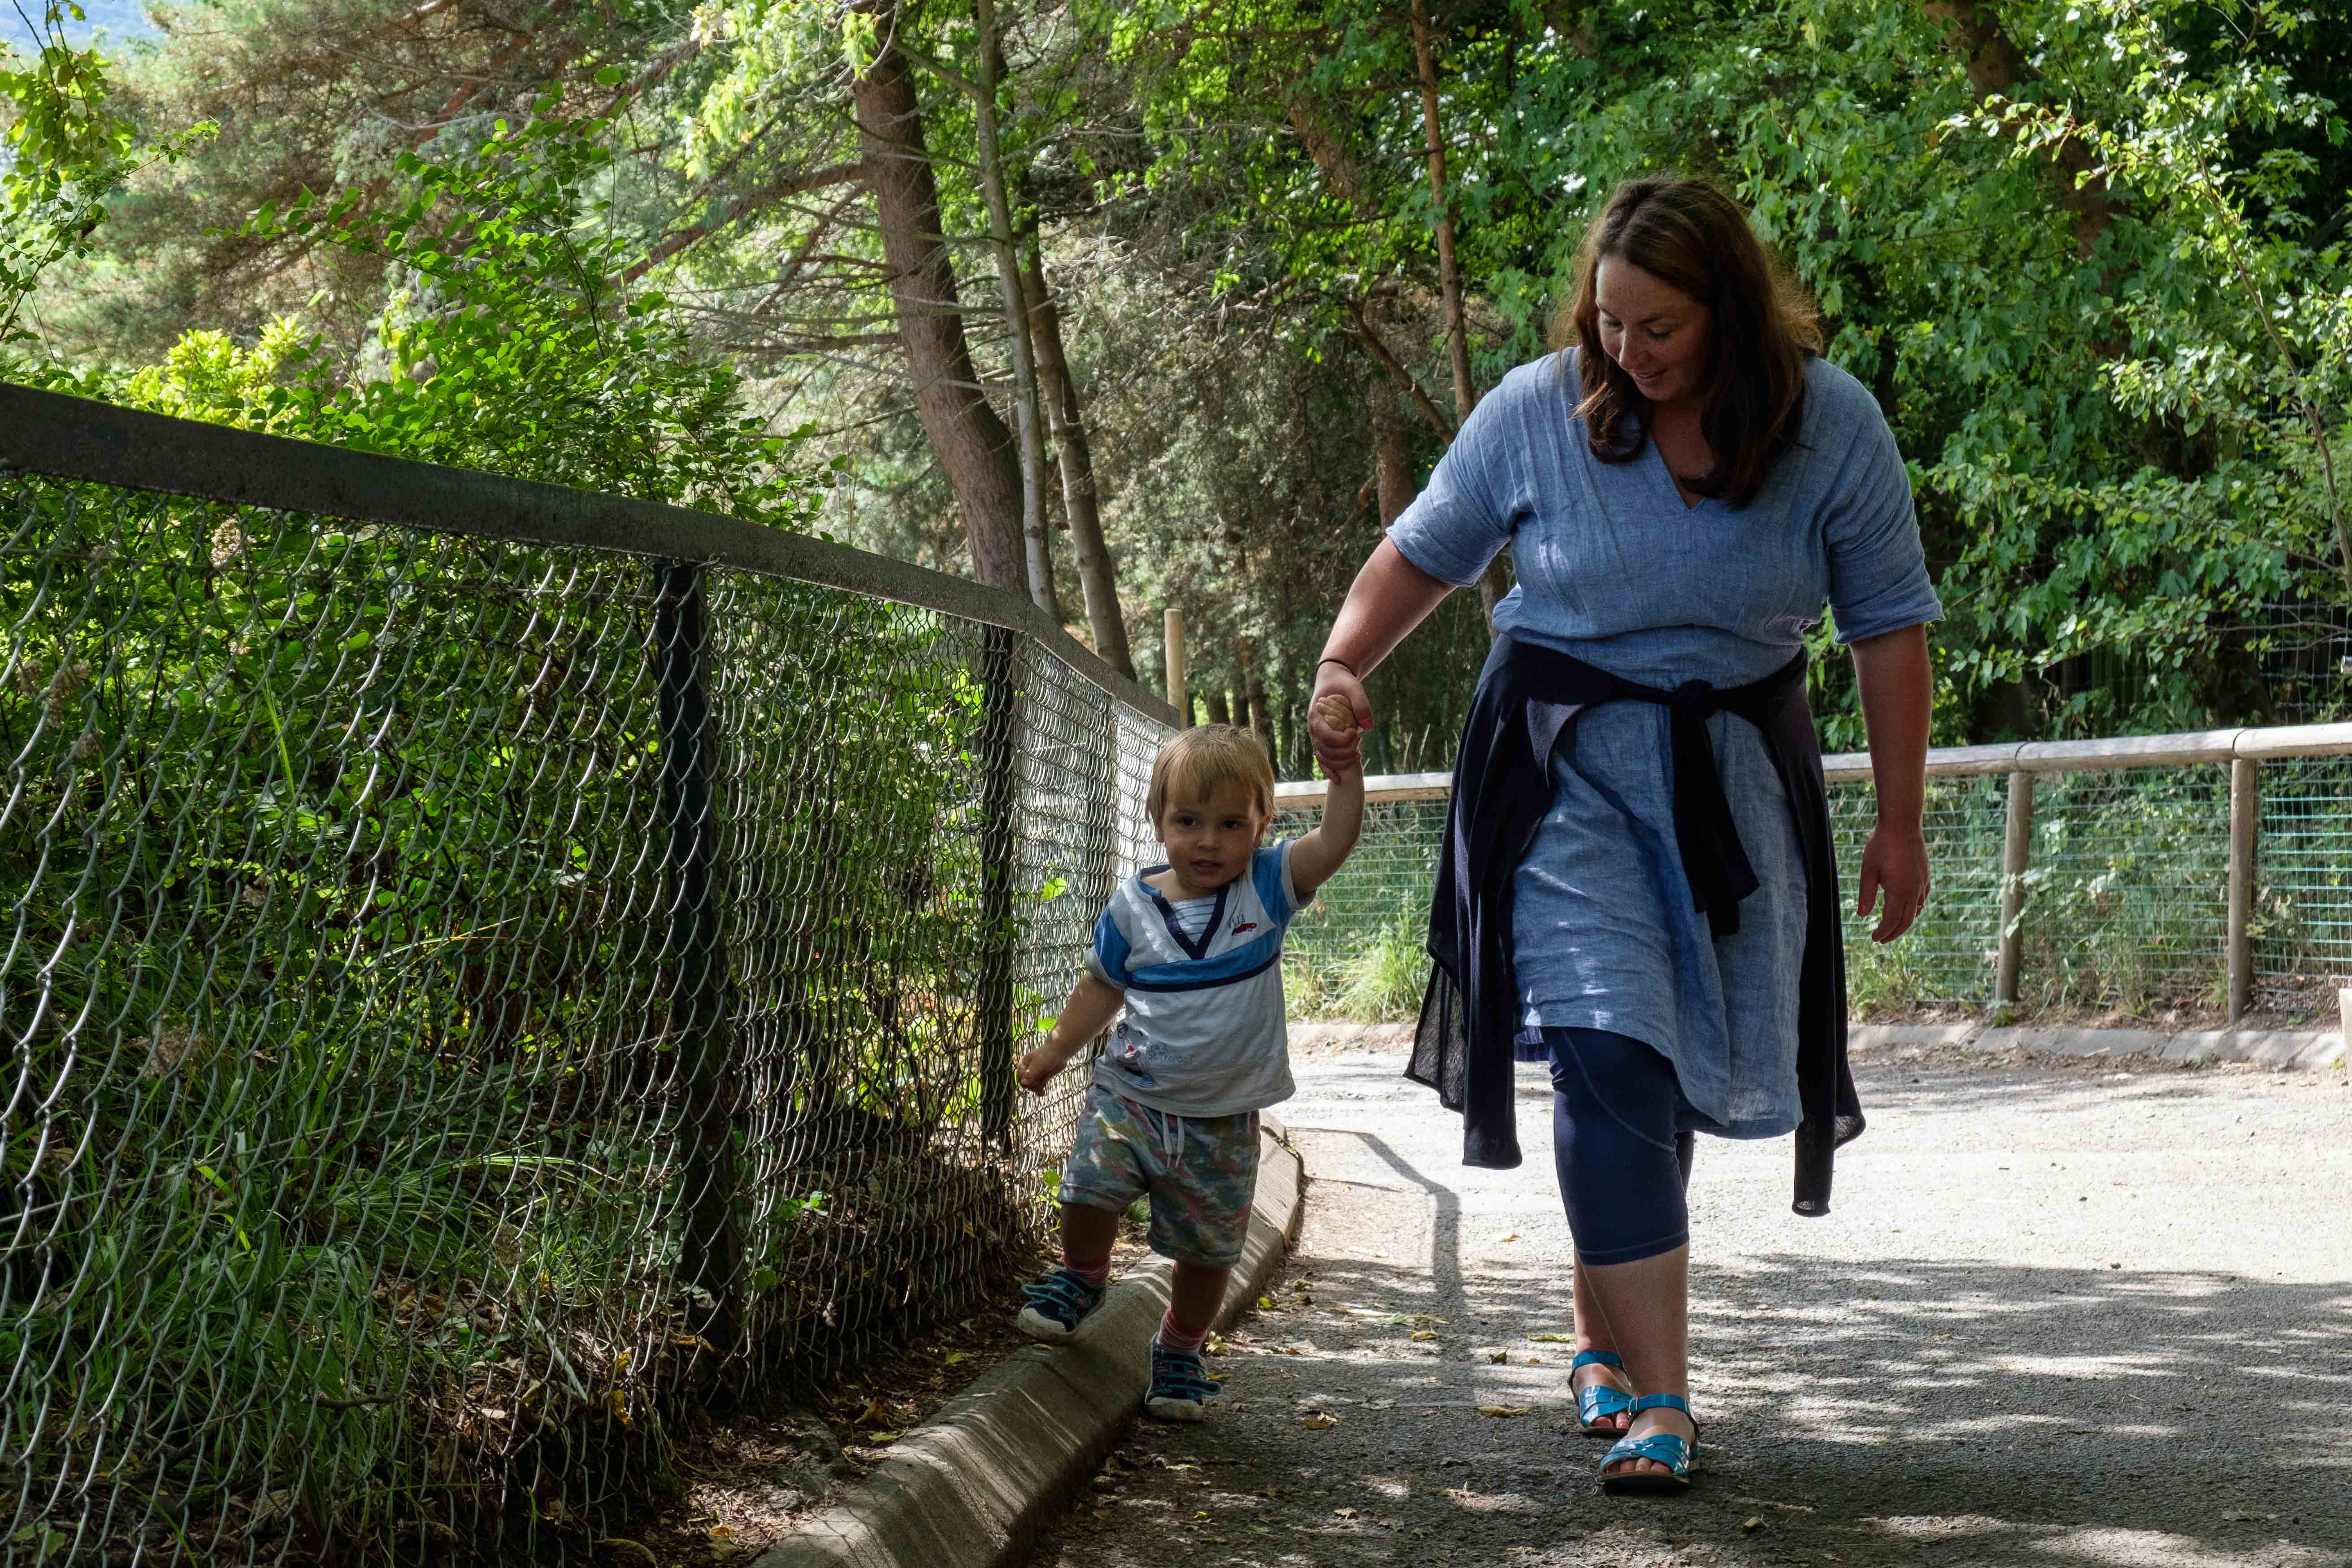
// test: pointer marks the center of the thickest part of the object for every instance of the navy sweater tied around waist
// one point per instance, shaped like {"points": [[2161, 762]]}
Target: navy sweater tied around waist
{"points": [[1527, 700]]}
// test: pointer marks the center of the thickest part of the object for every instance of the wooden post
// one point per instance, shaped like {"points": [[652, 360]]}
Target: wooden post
{"points": [[2245, 811], [2016, 853], [1174, 621]]}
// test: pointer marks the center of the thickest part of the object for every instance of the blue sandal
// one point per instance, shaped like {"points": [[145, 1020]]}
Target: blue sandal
{"points": [[1599, 1401], [1677, 1454]]}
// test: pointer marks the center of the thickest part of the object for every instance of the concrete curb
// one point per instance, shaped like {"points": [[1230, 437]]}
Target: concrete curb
{"points": [[972, 1486], [2262, 1047]]}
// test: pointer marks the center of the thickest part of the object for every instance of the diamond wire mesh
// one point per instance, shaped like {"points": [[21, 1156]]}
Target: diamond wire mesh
{"points": [[372, 1187]]}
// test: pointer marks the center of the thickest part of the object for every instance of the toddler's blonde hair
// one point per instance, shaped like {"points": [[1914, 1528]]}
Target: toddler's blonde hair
{"points": [[1212, 756]]}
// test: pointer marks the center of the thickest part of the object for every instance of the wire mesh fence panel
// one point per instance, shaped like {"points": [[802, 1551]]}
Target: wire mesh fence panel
{"points": [[1947, 955], [2125, 904], [468, 1002], [2302, 923], [1356, 951]]}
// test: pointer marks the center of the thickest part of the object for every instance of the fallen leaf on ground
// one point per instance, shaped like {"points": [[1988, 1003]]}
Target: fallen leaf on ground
{"points": [[1422, 1334], [1502, 1412], [1753, 1521], [1553, 1339], [1319, 1419], [1345, 1512], [1513, 1235], [1498, 1357]]}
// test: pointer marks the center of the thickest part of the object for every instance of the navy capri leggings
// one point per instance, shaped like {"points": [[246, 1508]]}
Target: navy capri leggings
{"points": [[1625, 1157]]}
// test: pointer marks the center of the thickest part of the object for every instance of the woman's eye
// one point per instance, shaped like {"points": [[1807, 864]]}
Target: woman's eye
{"points": [[1657, 337]]}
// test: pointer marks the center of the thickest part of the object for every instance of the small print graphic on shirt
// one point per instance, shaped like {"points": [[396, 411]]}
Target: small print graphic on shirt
{"points": [[1127, 1051]]}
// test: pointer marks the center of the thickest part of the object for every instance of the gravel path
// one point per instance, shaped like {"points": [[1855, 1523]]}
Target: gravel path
{"points": [[2062, 1315]]}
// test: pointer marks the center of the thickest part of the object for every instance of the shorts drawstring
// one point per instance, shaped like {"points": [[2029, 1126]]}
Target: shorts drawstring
{"points": [[1173, 1153]]}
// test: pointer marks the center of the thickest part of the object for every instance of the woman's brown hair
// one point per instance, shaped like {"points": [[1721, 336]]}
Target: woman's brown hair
{"points": [[1689, 235]]}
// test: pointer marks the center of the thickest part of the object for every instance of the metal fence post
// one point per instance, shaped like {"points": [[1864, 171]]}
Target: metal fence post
{"points": [[2016, 853], [710, 1259], [1000, 761], [2245, 812]]}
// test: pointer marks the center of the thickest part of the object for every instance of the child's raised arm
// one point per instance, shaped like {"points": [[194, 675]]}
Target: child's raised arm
{"points": [[1318, 854], [1093, 1003]]}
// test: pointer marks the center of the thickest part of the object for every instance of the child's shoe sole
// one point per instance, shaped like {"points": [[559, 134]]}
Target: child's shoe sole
{"points": [[1177, 1409], [1041, 1327]]}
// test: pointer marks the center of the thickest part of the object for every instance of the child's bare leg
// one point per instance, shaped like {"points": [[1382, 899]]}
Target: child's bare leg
{"points": [[1192, 1303], [1088, 1236]]}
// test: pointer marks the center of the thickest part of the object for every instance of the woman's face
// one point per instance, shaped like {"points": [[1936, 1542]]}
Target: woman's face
{"points": [[1659, 334]]}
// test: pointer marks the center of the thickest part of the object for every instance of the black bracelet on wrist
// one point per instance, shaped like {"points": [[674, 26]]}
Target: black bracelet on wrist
{"points": [[1342, 663]]}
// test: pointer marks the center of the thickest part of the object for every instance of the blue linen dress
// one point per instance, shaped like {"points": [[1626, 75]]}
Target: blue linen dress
{"points": [[1614, 568]]}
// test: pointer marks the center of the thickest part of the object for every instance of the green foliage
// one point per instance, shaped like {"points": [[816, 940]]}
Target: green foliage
{"points": [[67, 148]]}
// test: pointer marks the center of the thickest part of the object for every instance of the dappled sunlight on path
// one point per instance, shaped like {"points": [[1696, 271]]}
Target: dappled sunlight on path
{"points": [[2059, 1317]]}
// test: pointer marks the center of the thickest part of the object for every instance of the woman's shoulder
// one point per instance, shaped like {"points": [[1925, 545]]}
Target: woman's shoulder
{"points": [[1539, 381], [1835, 401]]}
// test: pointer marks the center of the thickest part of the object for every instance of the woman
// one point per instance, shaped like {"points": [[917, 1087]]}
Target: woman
{"points": [[1637, 883]]}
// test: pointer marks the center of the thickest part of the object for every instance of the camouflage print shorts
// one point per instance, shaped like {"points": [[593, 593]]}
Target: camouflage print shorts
{"points": [[1200, 1170]]}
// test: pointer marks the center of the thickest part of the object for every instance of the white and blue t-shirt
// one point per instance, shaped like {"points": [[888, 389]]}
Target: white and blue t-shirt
{"points": [[1204, 1033]]}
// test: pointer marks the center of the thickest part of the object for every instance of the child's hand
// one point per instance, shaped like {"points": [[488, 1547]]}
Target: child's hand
{"points": [[1336, 726], [1041, 1066]]}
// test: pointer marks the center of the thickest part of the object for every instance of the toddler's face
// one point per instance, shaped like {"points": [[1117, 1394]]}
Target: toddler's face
{"points": [[1209, 839]]}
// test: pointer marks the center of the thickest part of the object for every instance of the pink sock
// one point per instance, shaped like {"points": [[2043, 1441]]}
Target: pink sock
{"points": [[1095, 1273], [1175, 1336]]}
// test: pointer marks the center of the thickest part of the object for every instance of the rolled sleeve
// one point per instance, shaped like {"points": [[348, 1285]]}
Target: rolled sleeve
{"points": [[1457, 524], [1878, 571]]}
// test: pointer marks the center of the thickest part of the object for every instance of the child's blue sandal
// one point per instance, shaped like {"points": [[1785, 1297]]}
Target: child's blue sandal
{"points": [[1056, 1304], [1665, 1447], [1181, 1388], [1599, 1402]]}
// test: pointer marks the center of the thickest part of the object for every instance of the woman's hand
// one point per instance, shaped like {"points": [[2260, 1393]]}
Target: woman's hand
{"points": [[1895, 864], [1338, 747]]}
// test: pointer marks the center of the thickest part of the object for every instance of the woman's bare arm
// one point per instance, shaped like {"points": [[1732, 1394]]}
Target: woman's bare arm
{"points": [[1390, 597], [1897, 689]]}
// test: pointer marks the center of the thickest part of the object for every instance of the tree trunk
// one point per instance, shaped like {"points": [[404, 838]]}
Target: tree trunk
{"points": [[1261, 722], [974, 450], [1392, 458], [1037, 544], [1496, 581], [1449, 273], [1995, 65], [1218, 713], [1097, 573]]}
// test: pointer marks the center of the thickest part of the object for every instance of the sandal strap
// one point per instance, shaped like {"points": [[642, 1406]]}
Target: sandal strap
{"points": [[1597, 1358], [1666, 1448], [1663, 1402], [1600, 1400]]}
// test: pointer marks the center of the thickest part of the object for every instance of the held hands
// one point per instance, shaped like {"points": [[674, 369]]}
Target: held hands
{"points": [[1896, 863], [1337, 719]]}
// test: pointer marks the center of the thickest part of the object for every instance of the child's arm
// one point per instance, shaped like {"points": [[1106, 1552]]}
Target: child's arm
{"points": [[1093, 1004], [1316, 855]]}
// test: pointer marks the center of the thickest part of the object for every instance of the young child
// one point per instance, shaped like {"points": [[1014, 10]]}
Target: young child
{"points": [[1192, 949]]}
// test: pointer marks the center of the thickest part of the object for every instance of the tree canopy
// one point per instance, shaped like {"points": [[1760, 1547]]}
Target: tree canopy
{"points": [[1133, 306]]}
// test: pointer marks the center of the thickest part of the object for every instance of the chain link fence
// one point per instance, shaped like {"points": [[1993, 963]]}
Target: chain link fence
{"points": [[474, 995], [2125, 904]]}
